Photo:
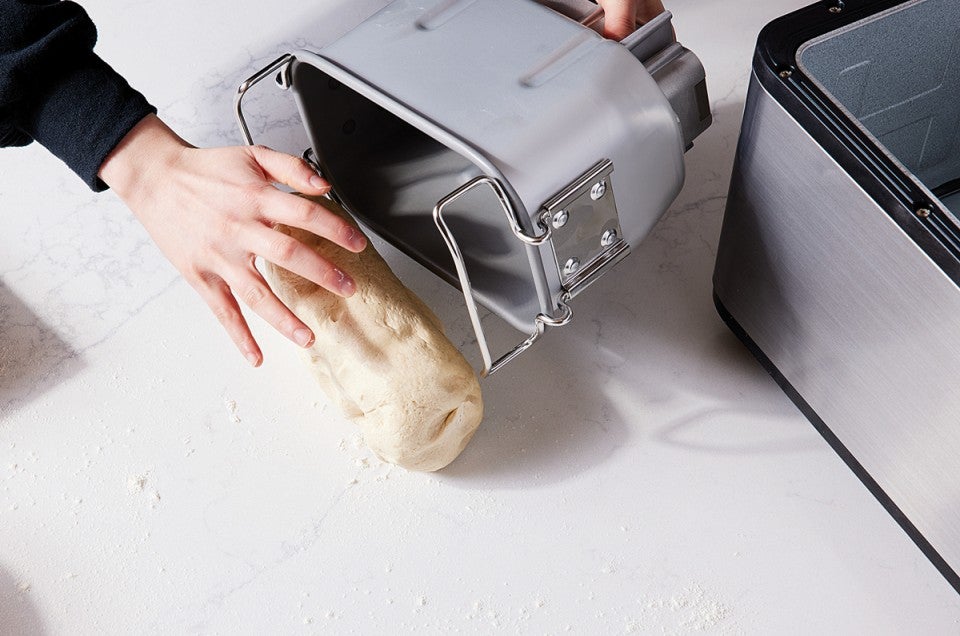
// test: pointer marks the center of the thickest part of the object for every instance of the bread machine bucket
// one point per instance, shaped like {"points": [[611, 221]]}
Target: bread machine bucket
{"points": [[503, 144]]}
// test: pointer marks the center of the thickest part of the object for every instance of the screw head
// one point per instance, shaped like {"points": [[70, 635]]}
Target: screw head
{"points": [[835, 9], [572, 265], [785, 73], [608, 238], [923, 213], [598, 190], [560, 218]]}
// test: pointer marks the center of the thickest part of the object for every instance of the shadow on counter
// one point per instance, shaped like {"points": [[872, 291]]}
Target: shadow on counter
{"points": [[18, 614], [33, 357]]}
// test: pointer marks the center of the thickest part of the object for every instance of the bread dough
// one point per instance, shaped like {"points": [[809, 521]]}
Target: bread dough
{"points": [[381, 355]]}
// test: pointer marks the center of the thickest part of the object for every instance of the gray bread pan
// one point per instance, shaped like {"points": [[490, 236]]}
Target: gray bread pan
{"points": [[503, 144]]}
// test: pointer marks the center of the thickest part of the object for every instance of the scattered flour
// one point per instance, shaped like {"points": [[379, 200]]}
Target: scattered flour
{"points": [[364, 459], [692, 609], [232, 410], [357, 441], [136, 483]]}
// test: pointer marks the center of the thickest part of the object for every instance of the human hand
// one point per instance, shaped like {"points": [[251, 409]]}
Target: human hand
{"points": [[621, 16], [212, 211]]}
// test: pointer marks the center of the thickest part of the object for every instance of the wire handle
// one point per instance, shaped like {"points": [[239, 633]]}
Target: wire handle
{"points": [[256, 78], [542, 320]]}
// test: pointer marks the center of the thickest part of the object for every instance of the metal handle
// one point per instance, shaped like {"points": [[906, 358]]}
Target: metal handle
{"points": [[542, 320], [256, 78]]}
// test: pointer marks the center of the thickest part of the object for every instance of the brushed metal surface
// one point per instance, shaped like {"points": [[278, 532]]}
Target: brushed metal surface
{"points": [[854, 315]]}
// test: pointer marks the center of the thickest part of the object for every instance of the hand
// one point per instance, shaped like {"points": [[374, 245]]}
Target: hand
{"points": [[621, 16], [212, 211]]}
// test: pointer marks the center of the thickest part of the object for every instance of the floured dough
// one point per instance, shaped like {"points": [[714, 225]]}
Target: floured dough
{"points": [[381, 355]]}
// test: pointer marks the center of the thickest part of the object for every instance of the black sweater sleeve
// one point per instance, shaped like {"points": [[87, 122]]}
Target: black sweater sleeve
{"points": [[55, 90]]}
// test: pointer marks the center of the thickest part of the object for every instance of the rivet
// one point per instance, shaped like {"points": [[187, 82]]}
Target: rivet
{"points": [[560, 218], [572, 265], [608, 238], [598, 190]]}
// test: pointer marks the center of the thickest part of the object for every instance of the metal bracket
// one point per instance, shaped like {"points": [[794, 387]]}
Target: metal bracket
{"points": [[542, 321], [587, 239]]}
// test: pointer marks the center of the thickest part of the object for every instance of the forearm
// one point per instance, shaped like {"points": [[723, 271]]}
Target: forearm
{"points": [[55, 90]]}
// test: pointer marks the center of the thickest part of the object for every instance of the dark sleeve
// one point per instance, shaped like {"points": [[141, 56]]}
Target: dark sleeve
{"points": [[55, 90]]}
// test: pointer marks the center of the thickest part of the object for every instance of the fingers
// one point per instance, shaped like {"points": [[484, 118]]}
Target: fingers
{"points": [[294, 256], [648, 10], [293, 171], [256, 295], [233, 223], [309, 215], [216, 294], [619, 18], [248, 285]]}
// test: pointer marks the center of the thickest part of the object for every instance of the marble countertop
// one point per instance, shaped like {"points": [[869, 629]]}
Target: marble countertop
{"points": [[637, 472]]}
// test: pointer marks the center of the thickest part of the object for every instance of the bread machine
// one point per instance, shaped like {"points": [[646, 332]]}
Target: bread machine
{"points": [[504, 144], [839, 257]]}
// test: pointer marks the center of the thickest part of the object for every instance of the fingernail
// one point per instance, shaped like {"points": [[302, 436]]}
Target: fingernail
{"points": [[356, 239], [253, 358], [303, 337], [344, 283], [319, 183]]}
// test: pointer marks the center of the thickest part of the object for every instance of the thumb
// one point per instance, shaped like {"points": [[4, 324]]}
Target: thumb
{"points": [[648, 10], [619, 18]]}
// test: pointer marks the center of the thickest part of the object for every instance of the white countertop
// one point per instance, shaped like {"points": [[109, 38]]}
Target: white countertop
{"points": [[638, 471]]}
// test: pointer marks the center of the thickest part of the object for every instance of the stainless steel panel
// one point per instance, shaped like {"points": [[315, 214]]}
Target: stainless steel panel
{"points": [[853, 314]]}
